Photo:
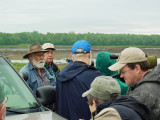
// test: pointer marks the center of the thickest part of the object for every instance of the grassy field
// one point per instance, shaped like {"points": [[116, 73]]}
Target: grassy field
{"points": [[18, 66]]}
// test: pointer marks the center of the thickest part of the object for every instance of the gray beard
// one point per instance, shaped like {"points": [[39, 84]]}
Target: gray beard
{"points": [[38, 64]]}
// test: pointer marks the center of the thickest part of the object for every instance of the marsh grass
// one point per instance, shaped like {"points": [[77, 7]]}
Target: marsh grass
{"points": [[18, 66]]}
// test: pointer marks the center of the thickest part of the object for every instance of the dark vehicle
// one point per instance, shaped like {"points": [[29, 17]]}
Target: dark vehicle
{"points": [[22, 103]]}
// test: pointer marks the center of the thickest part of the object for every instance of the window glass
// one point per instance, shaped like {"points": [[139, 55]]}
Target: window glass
{"points": [[19, 95]]}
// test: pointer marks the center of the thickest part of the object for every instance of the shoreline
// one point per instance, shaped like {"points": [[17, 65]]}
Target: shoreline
{"points": [[61, 53]]}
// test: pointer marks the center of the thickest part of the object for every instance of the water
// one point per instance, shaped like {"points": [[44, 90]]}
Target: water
{"points": [[26, 49], [61, 61]]}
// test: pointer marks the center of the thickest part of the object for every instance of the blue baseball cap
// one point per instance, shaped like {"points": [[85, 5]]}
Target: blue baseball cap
{"points": [[81, 44]]}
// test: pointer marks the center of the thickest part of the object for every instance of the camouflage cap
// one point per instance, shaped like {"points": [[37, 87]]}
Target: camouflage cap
{"points": [[102, 87], [2, 93]]}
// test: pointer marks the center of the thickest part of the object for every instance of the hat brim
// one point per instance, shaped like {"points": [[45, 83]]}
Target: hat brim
{"points": [[26, 56], [86, 93], [49, 48], [116, 66]]}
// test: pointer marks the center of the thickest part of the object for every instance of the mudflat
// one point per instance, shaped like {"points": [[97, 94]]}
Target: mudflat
{"points": [[66, 53]]}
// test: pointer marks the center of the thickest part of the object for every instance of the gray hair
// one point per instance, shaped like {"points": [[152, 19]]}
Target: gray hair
{"points": [[99, 101], [80, 53], [91, 98]]}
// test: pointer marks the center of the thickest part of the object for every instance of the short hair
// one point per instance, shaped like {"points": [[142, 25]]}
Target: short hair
{"points": [[98, 101], [80, 53], [91, 98], [145, 65]]}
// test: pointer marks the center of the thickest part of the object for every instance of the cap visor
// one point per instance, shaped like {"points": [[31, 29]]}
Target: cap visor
{"points": [[116, 66], [49, 48], [85, 93]]}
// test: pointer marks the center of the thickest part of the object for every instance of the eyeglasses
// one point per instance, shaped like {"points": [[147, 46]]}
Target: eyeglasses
{"points": [[123, 72]]}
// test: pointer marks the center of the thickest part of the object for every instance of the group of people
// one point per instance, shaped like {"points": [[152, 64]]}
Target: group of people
{"points": [[85, 92], [79, 84], [41, 70]]}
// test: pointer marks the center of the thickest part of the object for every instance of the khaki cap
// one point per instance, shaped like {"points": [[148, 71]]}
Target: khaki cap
{"points": [[102, 87], [128, 55], [46, 46]]}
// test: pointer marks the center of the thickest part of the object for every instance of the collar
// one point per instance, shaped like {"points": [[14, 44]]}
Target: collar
{"points": [[46, 65], [102, 106], [84, 64], [132, 87], [31, 66]]}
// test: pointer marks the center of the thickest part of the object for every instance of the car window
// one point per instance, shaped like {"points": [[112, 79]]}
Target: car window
{"points": [[19, 95]]}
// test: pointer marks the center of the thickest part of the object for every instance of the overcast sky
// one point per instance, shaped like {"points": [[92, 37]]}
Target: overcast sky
{"points": [[80, 16]]}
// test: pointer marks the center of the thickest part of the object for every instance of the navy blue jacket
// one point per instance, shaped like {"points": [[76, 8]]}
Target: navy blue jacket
{"points": [[128, 108], [72, 82]]}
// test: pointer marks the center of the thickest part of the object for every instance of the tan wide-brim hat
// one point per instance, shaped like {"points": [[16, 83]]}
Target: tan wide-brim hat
{"points": [[34, 48]]}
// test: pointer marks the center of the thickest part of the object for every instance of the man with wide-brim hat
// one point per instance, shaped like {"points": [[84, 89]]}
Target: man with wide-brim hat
{"points": [[35, 71]]}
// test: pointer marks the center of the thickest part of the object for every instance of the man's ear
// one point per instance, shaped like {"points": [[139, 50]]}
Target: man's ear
{"points": [[94, 103], [138, 68], [89, 55], [30, 56], [73, 57]]}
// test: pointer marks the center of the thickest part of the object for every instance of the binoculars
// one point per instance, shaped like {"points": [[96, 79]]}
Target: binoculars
{"points": [[152, 60], [70, 60]]}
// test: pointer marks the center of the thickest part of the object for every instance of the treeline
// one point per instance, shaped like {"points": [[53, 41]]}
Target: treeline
{"points": [[99, 39]]}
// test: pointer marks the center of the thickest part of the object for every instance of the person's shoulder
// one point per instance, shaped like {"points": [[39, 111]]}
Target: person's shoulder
{"points": [[27, 67], [93, 69], [108, 113], [24, 68], [55, 65]]}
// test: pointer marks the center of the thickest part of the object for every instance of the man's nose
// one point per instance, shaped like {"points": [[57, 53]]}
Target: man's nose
{"points": [[41, 57], [121, 75]]}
